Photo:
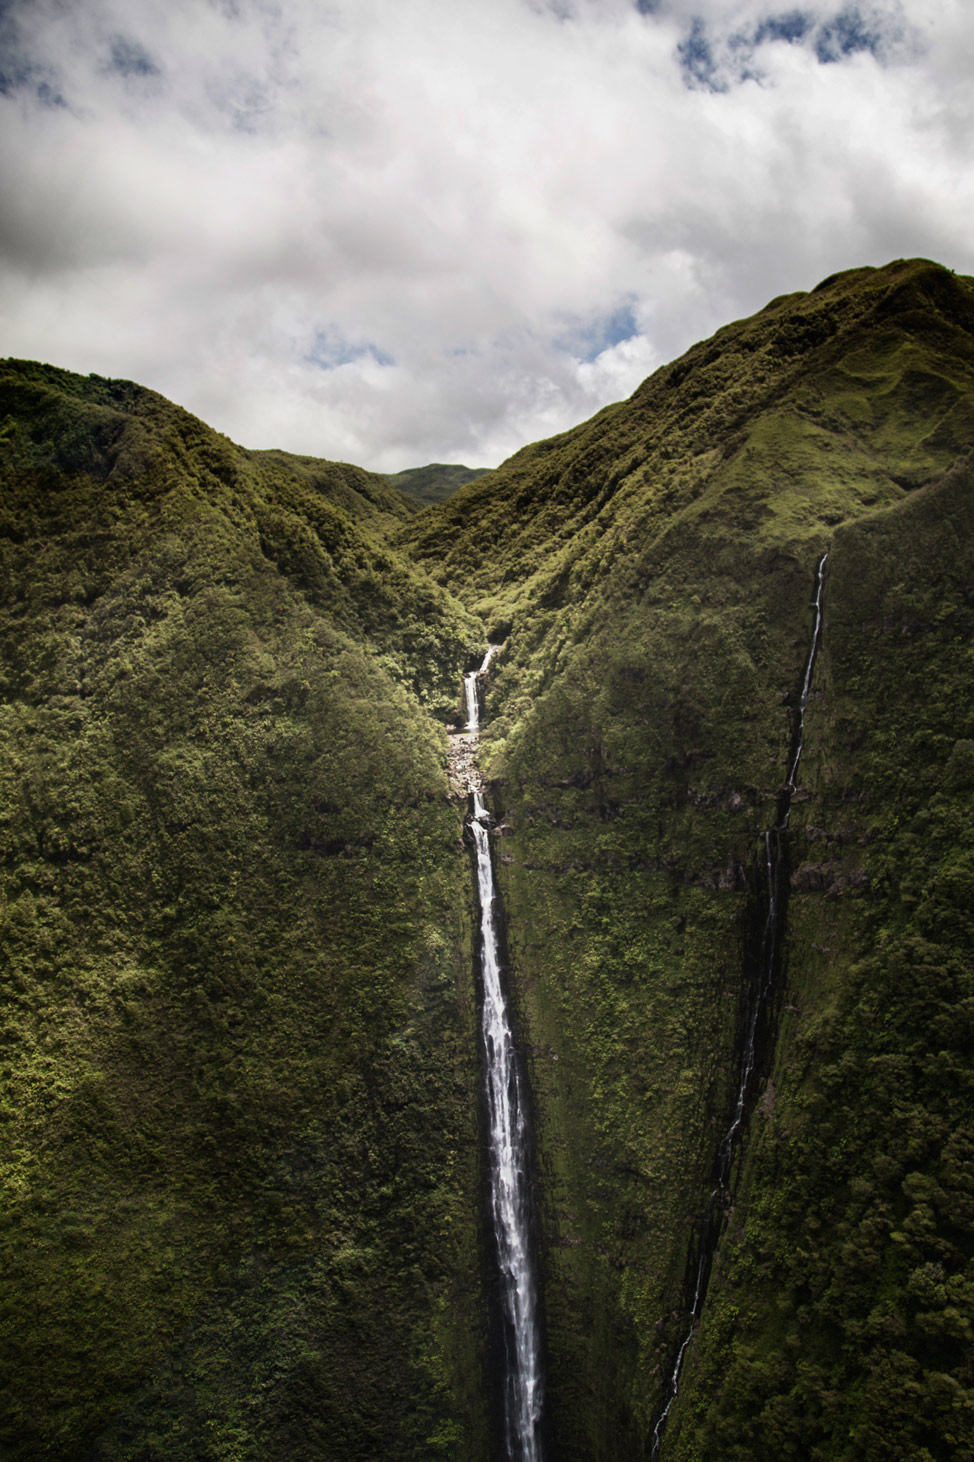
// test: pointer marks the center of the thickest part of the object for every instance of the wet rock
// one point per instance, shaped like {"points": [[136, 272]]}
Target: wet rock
{"points": [[829, 878], [462, 771], [813, 877]]}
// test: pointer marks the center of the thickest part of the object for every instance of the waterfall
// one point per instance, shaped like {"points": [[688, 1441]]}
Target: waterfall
{"points": [[471, 690], [508, 1152], [774, 842], [509, 1194], [785, 813]]}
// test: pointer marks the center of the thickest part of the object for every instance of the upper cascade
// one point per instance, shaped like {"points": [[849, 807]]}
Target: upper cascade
{"points": [[462, 767]]}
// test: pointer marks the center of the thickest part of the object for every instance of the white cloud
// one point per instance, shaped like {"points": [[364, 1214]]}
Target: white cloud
{"points": [[465, 200]]}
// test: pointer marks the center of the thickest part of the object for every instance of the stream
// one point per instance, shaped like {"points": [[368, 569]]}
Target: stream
{"points": [[774, 841]]}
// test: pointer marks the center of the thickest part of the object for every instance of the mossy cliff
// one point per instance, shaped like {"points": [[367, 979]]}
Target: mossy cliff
{"points": [[240, 1152], [652, 573], [244, 1204]]}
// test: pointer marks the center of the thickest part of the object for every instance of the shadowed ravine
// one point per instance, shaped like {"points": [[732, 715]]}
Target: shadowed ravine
{"points": [[758, 989]]}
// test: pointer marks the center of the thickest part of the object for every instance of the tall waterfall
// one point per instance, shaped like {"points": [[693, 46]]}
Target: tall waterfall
{"points": [[756, 999], [508, 1154]]}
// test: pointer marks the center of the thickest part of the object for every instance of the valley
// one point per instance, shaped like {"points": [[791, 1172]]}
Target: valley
{"points": [[246, 1206]]}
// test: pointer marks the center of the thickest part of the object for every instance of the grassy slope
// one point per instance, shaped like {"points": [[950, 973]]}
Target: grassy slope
{"points": [[240, 1171], [652, 572]]}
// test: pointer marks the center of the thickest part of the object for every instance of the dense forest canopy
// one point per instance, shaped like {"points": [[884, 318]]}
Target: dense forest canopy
{"points": [[243, 1212]]}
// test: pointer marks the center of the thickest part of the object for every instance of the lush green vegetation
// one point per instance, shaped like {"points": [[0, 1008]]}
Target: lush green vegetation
{"points": [[239, 1067], [652, 572], [843, 1317], [240, 1160]]}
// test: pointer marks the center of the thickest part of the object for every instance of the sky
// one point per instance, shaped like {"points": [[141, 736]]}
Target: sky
{"points": [[400, 231]]}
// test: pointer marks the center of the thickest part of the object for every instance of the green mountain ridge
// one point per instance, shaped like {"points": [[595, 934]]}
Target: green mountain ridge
{"points": [[245, 1213], [435, 482]]}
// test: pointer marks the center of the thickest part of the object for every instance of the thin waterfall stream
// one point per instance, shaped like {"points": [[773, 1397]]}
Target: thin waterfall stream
{"points": [[755, 1006], [507, 1137]]}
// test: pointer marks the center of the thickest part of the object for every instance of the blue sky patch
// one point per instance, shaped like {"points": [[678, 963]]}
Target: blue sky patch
{"points": [[793, 26], [128, 58], [18, 70], [329, 351], [17, 75], [715, 62], [697, 60], [587, 340], [844, 36], [620, 325]]}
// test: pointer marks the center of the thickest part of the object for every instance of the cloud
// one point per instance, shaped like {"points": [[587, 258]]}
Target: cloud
{"points": [[396, 231]]}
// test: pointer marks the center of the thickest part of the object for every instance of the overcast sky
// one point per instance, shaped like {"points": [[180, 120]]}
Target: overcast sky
{"points": [[401, 231]]}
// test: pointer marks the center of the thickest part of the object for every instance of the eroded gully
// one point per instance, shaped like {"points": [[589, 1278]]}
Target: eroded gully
{"points": [[758, 991]]}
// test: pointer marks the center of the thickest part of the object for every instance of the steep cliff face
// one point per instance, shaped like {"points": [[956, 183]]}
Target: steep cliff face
{"points": [[841, 1314], [240, 1152], [653, 572], [240, 1064]]}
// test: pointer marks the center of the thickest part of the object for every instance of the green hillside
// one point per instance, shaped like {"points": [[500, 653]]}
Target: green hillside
{"points": [[435, 483], [243, 1212], [240, 1165]]}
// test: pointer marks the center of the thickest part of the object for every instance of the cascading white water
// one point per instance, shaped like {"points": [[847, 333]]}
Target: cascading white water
{"points": [[472, 697], [471, 691], [806, 685], [774, 841], [508, 1151], [509, 1195]]}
